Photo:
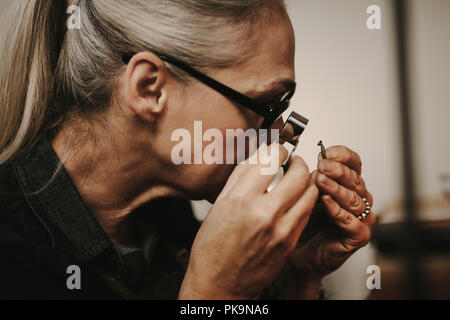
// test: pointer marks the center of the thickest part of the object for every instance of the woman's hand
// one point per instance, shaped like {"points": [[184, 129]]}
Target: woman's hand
{"points": [[334, 238], [249, 233]]}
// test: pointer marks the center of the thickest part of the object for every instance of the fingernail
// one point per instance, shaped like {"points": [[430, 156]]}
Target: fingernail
{"points": [[332, 154], [325, 166], [347, 219], [323, 179]]}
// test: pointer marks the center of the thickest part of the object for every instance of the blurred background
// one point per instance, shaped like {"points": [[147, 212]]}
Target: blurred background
{"points": [[361, 88]]}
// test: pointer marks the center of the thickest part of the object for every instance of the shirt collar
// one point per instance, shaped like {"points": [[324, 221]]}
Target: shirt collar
{"points": [[59, 206]]}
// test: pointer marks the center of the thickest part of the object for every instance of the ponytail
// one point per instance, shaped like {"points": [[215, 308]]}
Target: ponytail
{"points": [[30, 56]]}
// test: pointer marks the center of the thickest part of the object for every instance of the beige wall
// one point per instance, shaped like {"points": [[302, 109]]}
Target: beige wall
{"points": [[430, 51], [4, 4]]}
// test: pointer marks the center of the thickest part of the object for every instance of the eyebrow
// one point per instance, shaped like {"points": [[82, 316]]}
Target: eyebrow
{"points": [[278, 86]]}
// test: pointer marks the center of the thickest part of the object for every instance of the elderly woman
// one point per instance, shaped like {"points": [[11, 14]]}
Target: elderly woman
{"points": [[92, 204]]}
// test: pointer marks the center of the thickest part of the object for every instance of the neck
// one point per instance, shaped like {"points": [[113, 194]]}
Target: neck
{"points": [[113, 179]]}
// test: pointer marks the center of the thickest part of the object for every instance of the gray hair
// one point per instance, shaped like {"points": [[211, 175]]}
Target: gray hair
{"points": [[52, 72]]}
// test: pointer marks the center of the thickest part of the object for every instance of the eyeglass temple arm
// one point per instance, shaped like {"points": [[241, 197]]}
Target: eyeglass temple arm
{"points": [[259, 108], [225, 90]]}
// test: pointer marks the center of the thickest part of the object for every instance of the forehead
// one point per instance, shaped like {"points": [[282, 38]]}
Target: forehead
{"points": [[272, 53]]}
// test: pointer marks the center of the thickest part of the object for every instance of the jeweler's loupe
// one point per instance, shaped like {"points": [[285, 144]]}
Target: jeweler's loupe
{"points": [[291, 132], [293, 128]]}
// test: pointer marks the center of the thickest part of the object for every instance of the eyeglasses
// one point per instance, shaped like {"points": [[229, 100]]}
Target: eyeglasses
{"points": [[271, 112]]}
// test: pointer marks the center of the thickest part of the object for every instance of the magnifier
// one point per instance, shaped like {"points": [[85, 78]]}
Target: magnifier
{"points": [[291, 132]]}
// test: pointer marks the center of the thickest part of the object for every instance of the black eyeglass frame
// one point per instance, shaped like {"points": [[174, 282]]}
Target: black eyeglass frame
{"points": [[271, 113]]}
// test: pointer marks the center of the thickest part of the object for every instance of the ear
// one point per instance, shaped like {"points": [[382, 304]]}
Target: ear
{"points": [[145, 78]]}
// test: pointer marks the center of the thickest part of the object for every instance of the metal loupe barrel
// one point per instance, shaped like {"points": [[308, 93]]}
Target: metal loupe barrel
{"points": [[290, 133], [293, 128]]}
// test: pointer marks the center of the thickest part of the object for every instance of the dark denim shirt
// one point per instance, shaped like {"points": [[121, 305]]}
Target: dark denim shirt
{"points": [[43, 233]]}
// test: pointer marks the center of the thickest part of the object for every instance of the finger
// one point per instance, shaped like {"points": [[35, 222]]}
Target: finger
{"points": [[343, 175], [234, 178], [237, 174], [347, 199], [314, 176], [298, 216], [358, 232], [254, 177], [292, 185], [371, 219], [344, 155]]}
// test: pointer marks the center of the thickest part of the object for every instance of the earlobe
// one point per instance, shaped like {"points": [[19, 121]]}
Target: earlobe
{"points": [[145, 78]]}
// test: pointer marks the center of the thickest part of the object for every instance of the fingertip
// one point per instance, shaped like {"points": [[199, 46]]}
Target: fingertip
{"points": [[331, 153], [281, 151], [298, 158], [315, 190], [322, 165], [321, 178], [299, 162]]}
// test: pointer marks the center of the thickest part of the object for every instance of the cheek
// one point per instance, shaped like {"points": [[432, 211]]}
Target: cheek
{"points": [[218, 112], [235, 125], [205, 114]]}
